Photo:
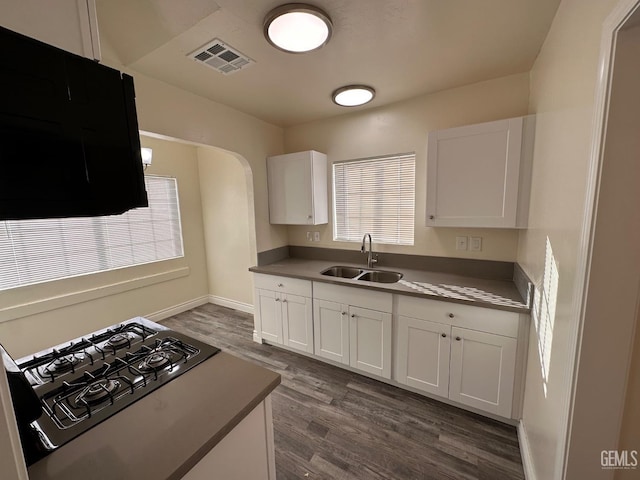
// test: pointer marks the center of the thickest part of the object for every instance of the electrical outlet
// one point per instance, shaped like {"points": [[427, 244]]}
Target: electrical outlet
{"points": [[309, 237], [316, 236], [461, 243], [476, 244]]}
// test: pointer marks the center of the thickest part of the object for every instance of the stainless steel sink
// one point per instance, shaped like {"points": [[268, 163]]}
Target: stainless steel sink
{"points": [[355, 273], [380, 276], [342, 272]]}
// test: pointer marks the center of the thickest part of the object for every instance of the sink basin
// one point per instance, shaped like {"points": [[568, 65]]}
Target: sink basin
{"points": [[380, 276], [342, 272]]}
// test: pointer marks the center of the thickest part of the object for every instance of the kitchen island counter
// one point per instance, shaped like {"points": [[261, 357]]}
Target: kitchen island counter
{"points": [[166, 433]]}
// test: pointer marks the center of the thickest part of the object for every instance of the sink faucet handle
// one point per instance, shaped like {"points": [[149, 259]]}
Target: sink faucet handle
{"points": [[374, 258]]}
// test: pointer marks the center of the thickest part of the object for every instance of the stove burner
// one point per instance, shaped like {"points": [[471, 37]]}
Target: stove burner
{"points": [[97, 392], [119, 340], [62, 364], [154, 361]]}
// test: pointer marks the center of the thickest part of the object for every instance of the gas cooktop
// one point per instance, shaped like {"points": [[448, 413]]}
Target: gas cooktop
{"points": [[83, 382]]}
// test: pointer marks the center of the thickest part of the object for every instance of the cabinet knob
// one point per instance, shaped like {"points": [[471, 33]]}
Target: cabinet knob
{"points": [[277, 299], [353, 315], [444, 335], [432, 217], [458, 338], [284, 301], [343, 313], [451, 315], [280, 285], [309, 217]]}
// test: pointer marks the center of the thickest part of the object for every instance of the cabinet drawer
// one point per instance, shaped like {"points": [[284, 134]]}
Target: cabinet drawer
{"points": [[361, 297], [481, 319], [294, 286]]}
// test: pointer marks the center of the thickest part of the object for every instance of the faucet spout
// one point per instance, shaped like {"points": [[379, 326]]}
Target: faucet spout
{"points": [[370, 258]]}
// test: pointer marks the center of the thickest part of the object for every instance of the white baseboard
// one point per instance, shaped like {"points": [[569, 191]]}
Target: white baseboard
{"points": [[176, 309], [256, 337], [226, 302], [525, 453]]}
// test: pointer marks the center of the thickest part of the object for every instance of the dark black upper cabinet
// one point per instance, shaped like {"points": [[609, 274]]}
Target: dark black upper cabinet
{"points": [[69, 141]]}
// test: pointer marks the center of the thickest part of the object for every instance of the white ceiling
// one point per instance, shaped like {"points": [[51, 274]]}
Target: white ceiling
{"points": [[403, 48]]}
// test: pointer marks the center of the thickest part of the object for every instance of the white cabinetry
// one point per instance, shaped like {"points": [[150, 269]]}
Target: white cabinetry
{"points": [[298, 188], [479, 175], [465, 353], [331, 330], [283, 312], [482, 370], [353, 326], [422, 355], [72, 25]]}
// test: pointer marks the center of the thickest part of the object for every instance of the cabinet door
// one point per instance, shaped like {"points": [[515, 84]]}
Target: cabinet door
{"points": [[269, 314], [331, 330], [482, 370], [422, 355], [473, 175], [290, 192], [297, 322], [370, 341]]}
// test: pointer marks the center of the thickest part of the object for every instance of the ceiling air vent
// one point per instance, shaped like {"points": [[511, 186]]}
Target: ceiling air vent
{"points": [[221, 57]]}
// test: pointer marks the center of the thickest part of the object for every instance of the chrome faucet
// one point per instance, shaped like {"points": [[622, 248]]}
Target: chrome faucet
{"points": [[371, 258]]}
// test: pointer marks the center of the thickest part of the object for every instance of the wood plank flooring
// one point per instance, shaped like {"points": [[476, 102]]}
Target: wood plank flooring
{"points": [[333, 424]]}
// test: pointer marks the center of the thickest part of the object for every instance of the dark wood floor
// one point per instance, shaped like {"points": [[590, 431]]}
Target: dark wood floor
{"points": [[333, 424]]}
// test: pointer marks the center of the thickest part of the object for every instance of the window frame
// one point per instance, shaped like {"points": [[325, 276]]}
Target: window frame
{"points": [[381, 238]]}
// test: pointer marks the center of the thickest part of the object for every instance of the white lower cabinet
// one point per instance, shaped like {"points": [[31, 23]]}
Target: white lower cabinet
{"points": [[422, 355], [467, 354], [437, 353], [482, 370], [353, 326], [269, 312], [370, 341], [331, 330], [283, 311], [297, 322]]}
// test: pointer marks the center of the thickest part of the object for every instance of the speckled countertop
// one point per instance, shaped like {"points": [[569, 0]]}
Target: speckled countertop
{"points": [[498, 294]]}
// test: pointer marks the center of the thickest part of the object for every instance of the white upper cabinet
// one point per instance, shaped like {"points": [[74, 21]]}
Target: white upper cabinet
{"points": [[480, 175], [298, 188], [72, 25]]}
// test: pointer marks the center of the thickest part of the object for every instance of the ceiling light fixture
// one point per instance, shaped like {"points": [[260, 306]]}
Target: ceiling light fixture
{"points": [[353, 95], [297, 28]]}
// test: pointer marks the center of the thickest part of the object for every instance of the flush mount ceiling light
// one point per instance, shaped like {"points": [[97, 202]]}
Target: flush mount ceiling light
{"points": [[353, 95], [297, 27]]}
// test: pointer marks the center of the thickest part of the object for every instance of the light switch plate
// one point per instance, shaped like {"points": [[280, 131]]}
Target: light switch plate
{"points": [[309, 237], [316, 236], [476, 244], [461, 243]]}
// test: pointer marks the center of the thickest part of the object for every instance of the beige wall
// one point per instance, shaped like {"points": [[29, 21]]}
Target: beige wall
{"points": [[403, 127], [42, 315], [563, 82], [225, 209], [175, 113]]}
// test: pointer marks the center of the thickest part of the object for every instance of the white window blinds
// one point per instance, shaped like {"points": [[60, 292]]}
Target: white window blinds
{"points": [[376, 196], [33, 251]]}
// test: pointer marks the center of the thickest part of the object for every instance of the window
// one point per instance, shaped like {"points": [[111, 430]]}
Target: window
{"points": [[33, 251], [376, 196]]}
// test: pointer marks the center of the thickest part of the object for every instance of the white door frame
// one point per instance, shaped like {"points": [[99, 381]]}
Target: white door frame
{"points": [[611, 26]]}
